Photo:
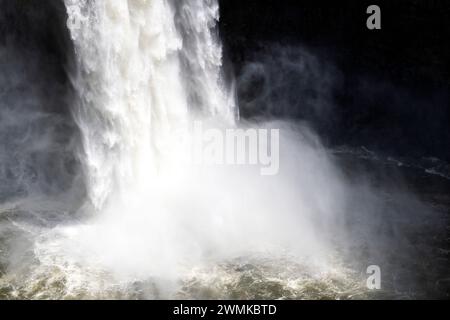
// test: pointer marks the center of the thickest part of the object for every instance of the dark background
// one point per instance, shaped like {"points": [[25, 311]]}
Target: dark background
{"points": [[392, 94], [392, 91]]}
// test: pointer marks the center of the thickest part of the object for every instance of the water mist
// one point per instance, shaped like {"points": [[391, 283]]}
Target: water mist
{"points": [[153, 225], [145, 71]]}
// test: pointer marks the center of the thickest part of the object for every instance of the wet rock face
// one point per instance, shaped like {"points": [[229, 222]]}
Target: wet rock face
{"points": [[40, 25], [37, 133], [390, 90], [410, 46], [36, 32]]}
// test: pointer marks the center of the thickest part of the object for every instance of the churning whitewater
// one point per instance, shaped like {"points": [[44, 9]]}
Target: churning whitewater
{"points": [[153, 226]]}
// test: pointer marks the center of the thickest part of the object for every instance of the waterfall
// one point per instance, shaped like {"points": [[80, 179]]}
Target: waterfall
{"points": [[145, 72], [145, 69], [152, 186]]}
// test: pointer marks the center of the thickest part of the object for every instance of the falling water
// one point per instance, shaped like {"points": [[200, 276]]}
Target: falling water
{"points": [[132, 217], [142, 68], [153, 225], [145, 70]]}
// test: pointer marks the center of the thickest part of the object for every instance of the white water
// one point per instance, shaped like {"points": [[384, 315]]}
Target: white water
{"points": [[153, 226], [138, 82], [145, 71]]}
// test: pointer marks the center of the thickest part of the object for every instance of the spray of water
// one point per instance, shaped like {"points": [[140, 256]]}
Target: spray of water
{"points": [[145, 71], [153, 225]]}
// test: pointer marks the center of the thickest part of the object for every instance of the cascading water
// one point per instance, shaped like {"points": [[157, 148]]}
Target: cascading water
{"points": [[135, 217], [145, 70], [134, 95], [153, 224]]}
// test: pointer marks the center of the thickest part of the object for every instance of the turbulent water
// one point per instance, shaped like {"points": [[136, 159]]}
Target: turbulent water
{"points": [[146, 224]]}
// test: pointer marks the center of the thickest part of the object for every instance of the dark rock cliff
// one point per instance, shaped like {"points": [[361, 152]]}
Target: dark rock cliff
{"points": [[390, 90]]}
